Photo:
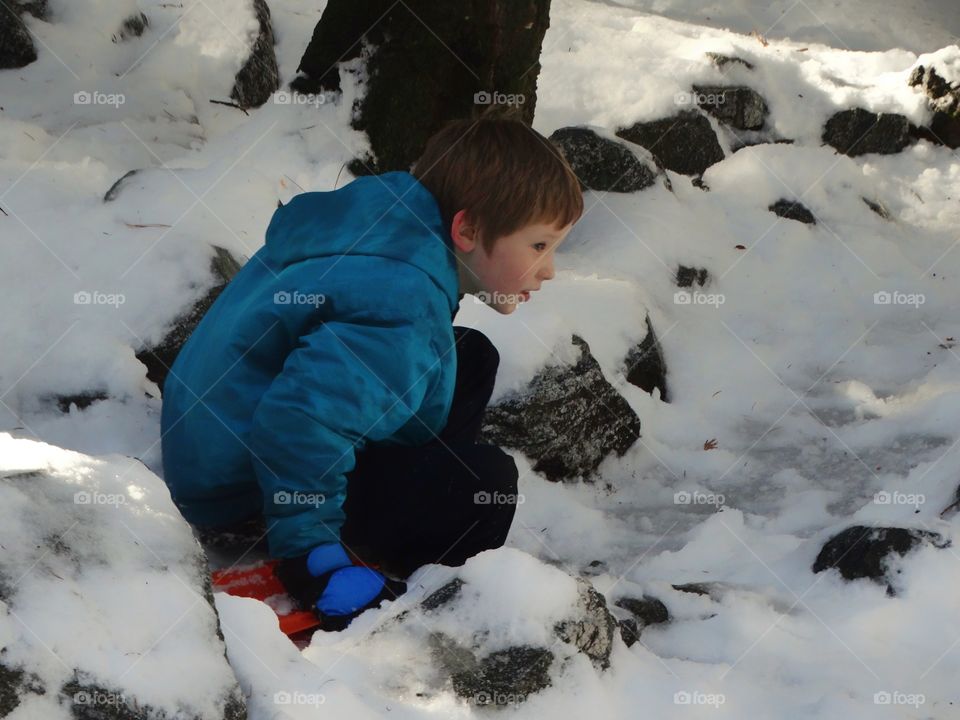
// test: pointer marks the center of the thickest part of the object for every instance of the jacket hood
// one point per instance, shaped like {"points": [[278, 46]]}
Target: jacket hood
{"points": [[391, 216]]}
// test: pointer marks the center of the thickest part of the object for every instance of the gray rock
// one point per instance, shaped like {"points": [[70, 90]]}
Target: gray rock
{"points": [[593, 630], [645, 366], [684, 143], [14, 684], [91, 701], [740, 139], [118, 186], [792, 210], [697, 588], [724, 61], [862, 552], [16, 44], [442, 596], [858, 132], [159, 358], [954, 505], [944, 100], [739, 106], [602, 164], [643, 612], [686, 276], [259, 77], [132, 26], [647, 610], [505, 677], [944, 96], [877, 208], [567, 420]]}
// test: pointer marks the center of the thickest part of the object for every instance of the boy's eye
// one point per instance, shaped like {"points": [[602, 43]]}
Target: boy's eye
{"points": [[540, 246]]}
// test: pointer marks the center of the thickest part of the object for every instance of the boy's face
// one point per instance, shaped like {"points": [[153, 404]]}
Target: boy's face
{"points": [[518, 264]]}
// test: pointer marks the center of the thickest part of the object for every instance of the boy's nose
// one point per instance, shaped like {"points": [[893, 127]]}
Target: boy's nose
{"points": [[546, 269]]}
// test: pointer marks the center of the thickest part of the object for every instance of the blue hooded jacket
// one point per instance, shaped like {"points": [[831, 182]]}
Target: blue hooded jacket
{"points": [[336, 333]]}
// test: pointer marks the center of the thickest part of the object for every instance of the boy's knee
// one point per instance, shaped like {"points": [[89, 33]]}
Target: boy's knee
{"points": [[476, 348], [495, 469]]}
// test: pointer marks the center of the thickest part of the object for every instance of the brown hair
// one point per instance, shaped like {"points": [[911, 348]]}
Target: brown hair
{"points": [[503, 172]]}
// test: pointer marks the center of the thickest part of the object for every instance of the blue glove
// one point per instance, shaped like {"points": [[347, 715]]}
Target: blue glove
{"points": [[327, 581]]}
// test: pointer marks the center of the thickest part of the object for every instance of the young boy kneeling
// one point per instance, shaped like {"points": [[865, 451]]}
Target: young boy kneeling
{"points": [[326, 393]]}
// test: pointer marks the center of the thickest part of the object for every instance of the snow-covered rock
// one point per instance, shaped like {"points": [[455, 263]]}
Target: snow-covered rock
{"points": [[859, 131], [568, 420], [602, 163], [105, 595]]}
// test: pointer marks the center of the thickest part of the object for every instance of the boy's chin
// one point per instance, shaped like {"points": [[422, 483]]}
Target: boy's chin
{"points": [[505, 308]]}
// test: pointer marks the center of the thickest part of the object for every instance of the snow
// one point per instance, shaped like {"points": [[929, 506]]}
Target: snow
{"points": [[820, 398]]}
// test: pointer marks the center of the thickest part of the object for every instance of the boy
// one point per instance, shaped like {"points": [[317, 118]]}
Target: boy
{"points": [[326, 393]]}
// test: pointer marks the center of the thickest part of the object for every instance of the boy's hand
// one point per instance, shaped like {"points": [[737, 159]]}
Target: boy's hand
{"points": [[337, 590]]}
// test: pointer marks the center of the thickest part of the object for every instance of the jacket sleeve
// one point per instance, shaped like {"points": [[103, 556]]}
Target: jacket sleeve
{"points": [[344, 384]]}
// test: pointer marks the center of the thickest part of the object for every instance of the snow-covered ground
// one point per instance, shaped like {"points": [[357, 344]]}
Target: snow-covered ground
{"points": [[818, 396]]}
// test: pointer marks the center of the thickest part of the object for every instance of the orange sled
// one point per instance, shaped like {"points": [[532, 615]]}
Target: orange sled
{"points": [[259, 582]]}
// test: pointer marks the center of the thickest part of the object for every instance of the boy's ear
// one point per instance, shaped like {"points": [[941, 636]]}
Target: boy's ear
{"points": [[463, 232]]}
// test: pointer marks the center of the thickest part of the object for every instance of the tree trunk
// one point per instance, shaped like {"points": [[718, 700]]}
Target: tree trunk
{"points": [[430, 62]]}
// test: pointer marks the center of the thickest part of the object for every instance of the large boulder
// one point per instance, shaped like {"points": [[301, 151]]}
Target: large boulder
{"points": [[567, 420], [684, 143], [104, 592], [858, 131], [864, 552], [159, 358], [259, 77], [603, 164]]}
